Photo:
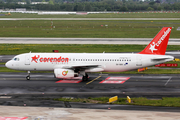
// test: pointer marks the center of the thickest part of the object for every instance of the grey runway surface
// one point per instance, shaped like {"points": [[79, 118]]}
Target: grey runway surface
{"points": [[89, 18], [136, 86], [15, 90], [141, 41]]}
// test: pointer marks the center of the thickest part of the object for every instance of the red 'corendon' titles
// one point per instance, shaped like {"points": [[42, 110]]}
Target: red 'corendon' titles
{"points": [[49, 59]]}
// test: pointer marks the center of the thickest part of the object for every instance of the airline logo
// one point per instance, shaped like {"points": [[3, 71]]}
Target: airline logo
{"points": [[64, 73], [49, 59], [35, 58], [126, 64], [153, 45]]}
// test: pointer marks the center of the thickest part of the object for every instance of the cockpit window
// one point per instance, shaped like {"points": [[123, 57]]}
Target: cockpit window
{"points": [[16, 59]]}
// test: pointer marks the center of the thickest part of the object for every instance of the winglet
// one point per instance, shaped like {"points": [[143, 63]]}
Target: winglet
{"points": [[159, 44]]}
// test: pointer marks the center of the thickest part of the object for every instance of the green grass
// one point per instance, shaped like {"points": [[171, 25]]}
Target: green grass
{"points": [[9, 49], [86, 29], [4, 69], [13, 49], [110, 15], [165, 101]]}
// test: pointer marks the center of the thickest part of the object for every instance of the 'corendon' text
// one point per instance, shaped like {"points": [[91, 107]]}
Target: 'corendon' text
{"points": [[60, 59], [49, 59], [163, 36]]}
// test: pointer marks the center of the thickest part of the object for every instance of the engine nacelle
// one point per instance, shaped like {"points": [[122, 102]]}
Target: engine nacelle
{"points": [[64, 73]]}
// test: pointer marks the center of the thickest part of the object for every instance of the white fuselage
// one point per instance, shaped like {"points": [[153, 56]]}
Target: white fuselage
{"points": [[107, 62]]}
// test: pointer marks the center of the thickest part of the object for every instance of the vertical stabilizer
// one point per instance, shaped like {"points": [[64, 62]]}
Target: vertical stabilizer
{"points": [[159, 44]]}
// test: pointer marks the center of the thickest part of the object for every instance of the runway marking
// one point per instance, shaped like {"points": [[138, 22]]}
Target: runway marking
{"points": [[93, 80], [71, 80], [13, 118], [117, 80], [168, 81]]}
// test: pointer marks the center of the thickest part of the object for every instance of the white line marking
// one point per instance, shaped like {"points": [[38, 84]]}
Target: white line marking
{"points": [[168, 81]]}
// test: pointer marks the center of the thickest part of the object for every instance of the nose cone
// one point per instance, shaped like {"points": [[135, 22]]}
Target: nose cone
{"points": [[9, 65]]}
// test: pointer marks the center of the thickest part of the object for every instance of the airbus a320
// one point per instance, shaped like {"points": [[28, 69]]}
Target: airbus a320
{"points": [[70, 65]]}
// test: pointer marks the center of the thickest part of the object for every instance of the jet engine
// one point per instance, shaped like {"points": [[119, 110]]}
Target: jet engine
{"points": [[64, 73]]}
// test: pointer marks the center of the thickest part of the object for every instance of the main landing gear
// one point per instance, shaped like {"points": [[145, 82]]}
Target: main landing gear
{"points": [[85, 77], [28, 76]]}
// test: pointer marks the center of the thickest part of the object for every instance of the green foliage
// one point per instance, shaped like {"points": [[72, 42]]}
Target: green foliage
{"points": [[101, 99], [150, 9], [165, 101], [51, 2], [9, 49], [86, 29], [92, 5]]}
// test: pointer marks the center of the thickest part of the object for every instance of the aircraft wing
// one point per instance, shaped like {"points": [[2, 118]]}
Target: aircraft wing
{"points": [[82, 67]]}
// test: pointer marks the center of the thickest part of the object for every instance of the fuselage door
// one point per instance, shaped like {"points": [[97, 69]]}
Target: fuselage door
{"points": [[27, 60], [138, 60]]}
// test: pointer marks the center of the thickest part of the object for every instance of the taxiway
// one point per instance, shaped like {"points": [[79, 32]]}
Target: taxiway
{"points": [[135, 41], [153, 86]]}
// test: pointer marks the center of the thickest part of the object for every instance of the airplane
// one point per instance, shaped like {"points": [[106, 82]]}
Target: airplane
{"points": [[70, 65]]}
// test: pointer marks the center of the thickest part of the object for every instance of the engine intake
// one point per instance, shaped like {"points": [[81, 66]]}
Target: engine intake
{"points": [[64, 73]]}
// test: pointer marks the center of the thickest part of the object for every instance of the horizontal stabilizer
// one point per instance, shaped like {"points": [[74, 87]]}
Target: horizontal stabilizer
{"points": [[169, 58]]}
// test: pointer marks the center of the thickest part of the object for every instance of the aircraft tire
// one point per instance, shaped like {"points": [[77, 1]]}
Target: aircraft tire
{"points": [[85, 78], [28, 78]]}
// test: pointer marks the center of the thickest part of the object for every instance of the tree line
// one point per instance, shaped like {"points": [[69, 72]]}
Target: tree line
{"points": [[96, 5]]}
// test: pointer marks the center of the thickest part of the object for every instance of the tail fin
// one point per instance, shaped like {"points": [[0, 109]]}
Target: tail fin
{"points": [[159, 44]]}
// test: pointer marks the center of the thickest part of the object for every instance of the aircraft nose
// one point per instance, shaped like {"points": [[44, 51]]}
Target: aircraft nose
{"points": [[8, 64]]}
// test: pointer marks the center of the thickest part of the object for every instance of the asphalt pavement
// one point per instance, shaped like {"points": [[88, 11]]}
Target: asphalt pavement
{"points": [[139, 41], [33, 99]]}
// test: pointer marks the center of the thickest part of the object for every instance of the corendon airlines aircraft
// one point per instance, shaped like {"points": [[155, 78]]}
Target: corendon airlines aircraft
{"points": [[68, 65]]}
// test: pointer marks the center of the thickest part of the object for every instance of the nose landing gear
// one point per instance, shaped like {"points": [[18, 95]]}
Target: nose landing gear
{"points": [[28, 76]]}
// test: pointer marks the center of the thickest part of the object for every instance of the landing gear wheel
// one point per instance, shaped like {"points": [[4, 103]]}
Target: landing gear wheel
{"points": [[85, 78], [28, 78]]}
